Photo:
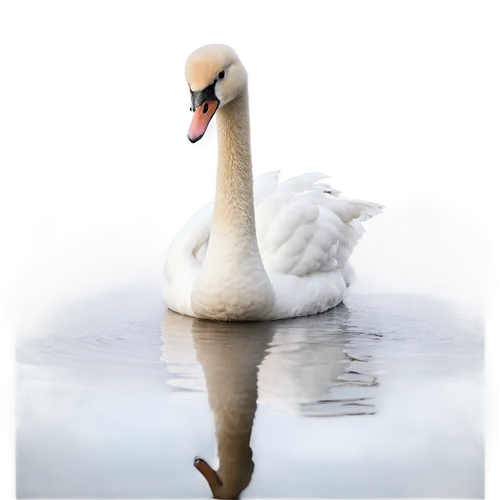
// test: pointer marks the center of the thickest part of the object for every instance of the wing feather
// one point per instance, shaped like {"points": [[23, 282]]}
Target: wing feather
{"points": [[304, 226]]}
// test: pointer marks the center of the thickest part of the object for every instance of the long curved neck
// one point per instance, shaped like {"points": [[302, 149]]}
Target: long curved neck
{"points": [[233, 283], [234, 206]]}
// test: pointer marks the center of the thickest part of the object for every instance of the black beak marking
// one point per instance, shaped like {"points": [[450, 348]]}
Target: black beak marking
{"points": [[198, 98]]}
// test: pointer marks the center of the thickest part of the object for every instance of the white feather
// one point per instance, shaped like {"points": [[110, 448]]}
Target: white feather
{"points": [[306, 234]]}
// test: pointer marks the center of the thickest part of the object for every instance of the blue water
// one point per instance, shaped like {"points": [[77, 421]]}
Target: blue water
{"points": [[380, 397]]}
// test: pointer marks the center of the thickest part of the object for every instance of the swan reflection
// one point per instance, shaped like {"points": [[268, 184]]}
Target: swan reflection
{"points": [[230, 355], [303, 366], [316, 367]]}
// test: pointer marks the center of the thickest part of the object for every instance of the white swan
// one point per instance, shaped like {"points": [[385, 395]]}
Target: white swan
{"points": [[263, 250]]}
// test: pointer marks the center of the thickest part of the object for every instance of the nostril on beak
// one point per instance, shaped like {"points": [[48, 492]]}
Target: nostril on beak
{"points": [[205, 109]]}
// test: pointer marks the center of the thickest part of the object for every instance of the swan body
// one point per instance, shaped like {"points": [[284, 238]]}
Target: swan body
{"points": [[263, 250]]}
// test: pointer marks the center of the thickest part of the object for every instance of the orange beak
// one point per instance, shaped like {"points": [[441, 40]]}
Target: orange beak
{"points": [[205, 469], [201, 118]]}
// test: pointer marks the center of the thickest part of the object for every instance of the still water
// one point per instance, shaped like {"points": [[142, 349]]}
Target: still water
{"points": [[380, 397]]}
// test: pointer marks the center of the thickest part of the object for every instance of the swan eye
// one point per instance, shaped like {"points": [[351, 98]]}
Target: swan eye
{"points": [[221, 75]]}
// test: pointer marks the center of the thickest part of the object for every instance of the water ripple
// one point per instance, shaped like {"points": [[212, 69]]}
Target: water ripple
{"points": [[113, 355], [410, 318]]}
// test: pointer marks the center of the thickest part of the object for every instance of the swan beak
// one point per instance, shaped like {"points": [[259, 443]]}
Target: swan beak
{"points": [[201, 118], [213, 479]]}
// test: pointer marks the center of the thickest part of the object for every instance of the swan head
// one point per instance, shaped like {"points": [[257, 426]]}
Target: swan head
{"points": [[215, 76]]}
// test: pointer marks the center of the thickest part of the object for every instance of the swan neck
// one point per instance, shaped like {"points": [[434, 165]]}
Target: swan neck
{"points": [[233, 283], [234, 206]]}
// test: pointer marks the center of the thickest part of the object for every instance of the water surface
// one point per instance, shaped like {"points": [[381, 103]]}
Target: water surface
{"points": [[380, 397]]}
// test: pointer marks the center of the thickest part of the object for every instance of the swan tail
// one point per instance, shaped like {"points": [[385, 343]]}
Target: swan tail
{"points": [[369, 208]]}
